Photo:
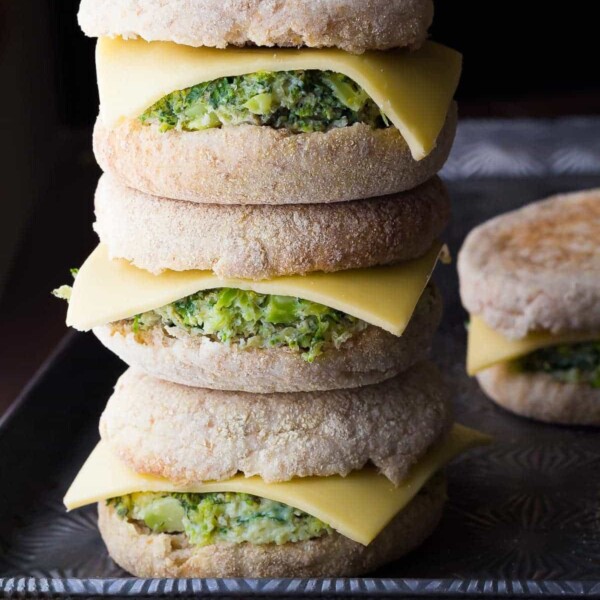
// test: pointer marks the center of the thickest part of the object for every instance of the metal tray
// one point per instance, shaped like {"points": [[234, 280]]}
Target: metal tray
{"points": [[523, 517]]}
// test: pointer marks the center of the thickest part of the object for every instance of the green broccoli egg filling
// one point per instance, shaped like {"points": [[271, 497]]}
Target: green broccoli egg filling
{"points": [[300, 101], [220, 517], [249, 319], [255, 321], [569, 363]]}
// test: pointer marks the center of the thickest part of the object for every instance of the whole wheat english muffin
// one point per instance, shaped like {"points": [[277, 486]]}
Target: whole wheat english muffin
{"points": [[194, 434], [541, 396], [256, 164], [146, 554], [261, 242], [537, 268], [352, 25], [369, 356]]}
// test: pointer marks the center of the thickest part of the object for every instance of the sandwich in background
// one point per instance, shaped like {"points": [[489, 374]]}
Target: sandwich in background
{"points": [[530, 280]]}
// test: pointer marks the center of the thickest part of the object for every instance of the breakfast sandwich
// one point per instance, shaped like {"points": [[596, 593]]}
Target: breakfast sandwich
{"points": [[530, 280], [263, 298], [202, 483], [287, 102]]}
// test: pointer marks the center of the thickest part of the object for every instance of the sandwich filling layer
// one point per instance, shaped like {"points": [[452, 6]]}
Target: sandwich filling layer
{"points": [[304, 90], [253, 320], [299, 101], [357, 506], [219, 517], [570, 357], [109, 291], [568, 363]]}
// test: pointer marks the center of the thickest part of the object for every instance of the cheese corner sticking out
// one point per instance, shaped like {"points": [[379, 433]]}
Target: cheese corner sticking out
{"points": [[487, 347], [358, 506], [108, 290], [413, 89]]}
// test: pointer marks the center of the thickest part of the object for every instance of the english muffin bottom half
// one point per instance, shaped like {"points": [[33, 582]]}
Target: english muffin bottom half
{"points": [[197, 483], [261, 126], [531, 281], [299, 332]]}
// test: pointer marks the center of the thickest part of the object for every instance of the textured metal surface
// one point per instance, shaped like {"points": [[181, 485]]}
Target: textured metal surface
{"points": [[525, 148], [523, 517]]}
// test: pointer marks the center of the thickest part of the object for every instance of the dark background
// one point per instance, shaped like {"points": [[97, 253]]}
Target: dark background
{"points": [[521, 59]]}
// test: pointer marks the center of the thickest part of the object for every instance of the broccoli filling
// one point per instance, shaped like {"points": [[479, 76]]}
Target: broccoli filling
{"points": [[220, 517], [570, 363], [300, 101], [255, 321], [249, 319]]}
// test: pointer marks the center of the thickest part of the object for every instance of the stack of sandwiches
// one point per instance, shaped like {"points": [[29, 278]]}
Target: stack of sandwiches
{"points": [[530, 280], [269, 219]]}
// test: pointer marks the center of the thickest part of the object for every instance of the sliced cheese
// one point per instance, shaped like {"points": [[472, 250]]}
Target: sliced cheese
{"points": [[108, 290], [413, 89], [487, 347], [358, 506]]}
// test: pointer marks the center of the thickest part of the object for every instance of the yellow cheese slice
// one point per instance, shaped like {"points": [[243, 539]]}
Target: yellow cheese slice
{"points": [[108, 290], [487, 347], [358, 506], [413, 89]]}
